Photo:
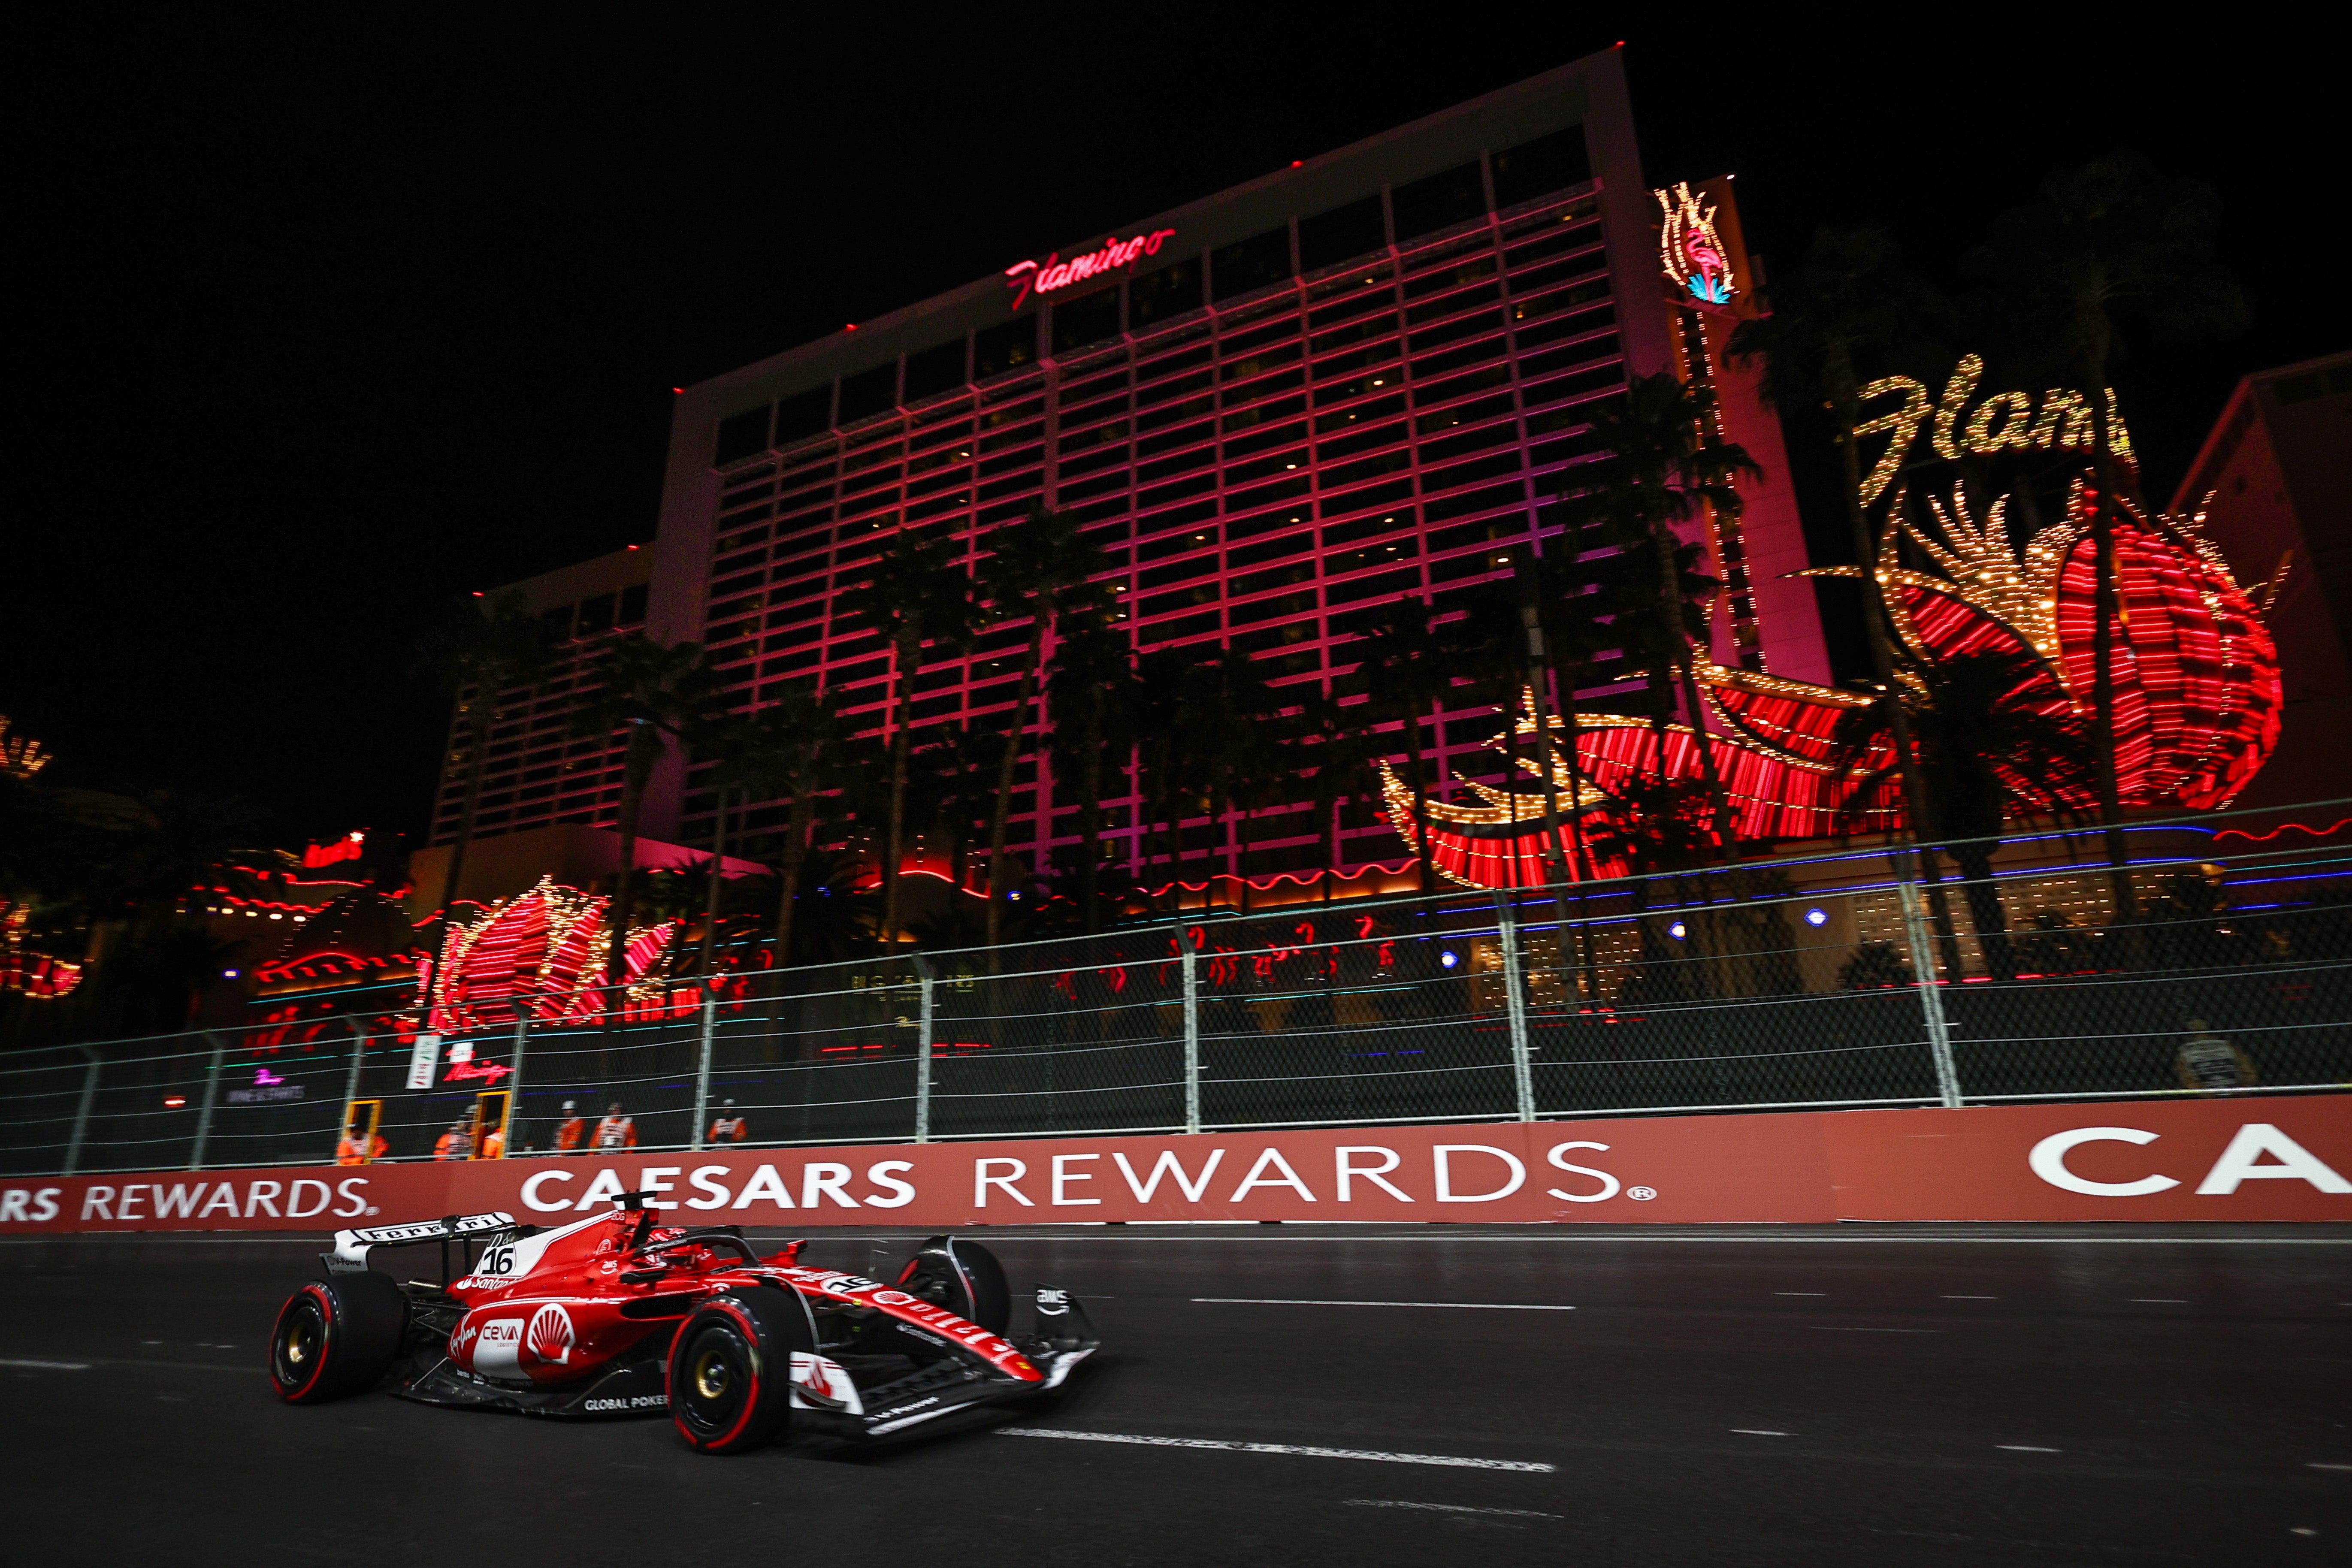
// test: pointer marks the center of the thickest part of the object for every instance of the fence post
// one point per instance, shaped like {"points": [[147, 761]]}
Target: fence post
{"points": [[212, 1090], [1523, 1080], [702, 1071], [352, 1078], [1192, 1034], [514, 1080], [1924, 968], [923, 1064], [81, 1112]]}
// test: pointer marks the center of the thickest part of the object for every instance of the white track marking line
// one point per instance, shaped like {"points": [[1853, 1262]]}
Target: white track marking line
{"points": [[1760, 1432], [1449, 1508], [1800, 1292], [51, 1365], [1972, 1298], [2160, 1300], [2316, 1465], [1287, 1302], [1834, 1329], [2027, 1448], [1454, 1460]]}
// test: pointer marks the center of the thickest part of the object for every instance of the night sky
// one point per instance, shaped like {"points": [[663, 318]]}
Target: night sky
{"points": [[318, 326]]}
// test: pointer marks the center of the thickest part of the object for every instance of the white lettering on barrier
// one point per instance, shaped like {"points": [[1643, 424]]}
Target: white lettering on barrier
{"points": [[982, 1181], [1169, 1166], [131, 1191], [2048, 1161], [12, 1206], [649, 1180], [1063, 1175], [98, 1200], [259, 1202], [1442, 1157], [901, 1192], [603, 1190], [715, 1194], [357, 1200], [827, 1179], [536, 1184], [1609, 1188], [223, 1198], [2256, 1139], [294, 1209], [764, 1183], [1376, 1174], [1290, 1178]]}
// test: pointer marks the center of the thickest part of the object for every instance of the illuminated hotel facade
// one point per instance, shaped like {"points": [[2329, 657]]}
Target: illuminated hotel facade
{"points": [[1277, 410]]}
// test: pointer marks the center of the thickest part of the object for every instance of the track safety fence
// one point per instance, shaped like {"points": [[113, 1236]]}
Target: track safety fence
{"points": [[1838, 981]]}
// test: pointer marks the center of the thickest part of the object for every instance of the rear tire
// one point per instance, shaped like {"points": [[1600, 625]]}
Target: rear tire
{"points": [[730, 1370], [336, 1336], [964, 1277]]}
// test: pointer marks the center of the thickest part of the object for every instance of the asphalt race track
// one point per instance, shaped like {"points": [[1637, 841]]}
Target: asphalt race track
{"points": [[1727, 1395]]}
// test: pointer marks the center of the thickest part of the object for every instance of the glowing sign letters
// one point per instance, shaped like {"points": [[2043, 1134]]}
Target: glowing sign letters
{"points": [[1053, 273]]}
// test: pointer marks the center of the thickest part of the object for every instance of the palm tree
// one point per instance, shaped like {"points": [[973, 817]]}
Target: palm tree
{"points": [[1339, 755], [1038, 571], [789, 749], [1409, 666], [2110, 240], [918, 593], [1664, 470], [656, 696], [488, 646], [1991, 747], [1091, 693]]}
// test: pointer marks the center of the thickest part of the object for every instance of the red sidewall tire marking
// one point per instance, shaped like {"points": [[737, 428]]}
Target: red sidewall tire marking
{"points": [[326, 1339], [751, 1398]]}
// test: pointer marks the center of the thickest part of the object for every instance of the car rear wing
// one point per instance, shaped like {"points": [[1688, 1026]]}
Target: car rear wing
{"points": [[352, 1246]]}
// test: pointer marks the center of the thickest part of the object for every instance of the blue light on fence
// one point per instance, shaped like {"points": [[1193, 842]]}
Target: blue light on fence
{"points": [[1449, 959], [1677, 930], [1817, 917]]}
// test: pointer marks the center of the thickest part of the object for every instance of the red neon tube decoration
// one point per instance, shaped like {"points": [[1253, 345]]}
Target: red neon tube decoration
{"points": [[1053, 272]]}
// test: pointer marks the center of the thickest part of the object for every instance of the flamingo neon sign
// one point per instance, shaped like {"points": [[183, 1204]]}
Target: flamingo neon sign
{"points": [[1053, 273]]}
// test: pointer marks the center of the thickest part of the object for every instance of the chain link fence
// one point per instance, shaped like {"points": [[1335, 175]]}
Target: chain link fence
{"points": [[1836, 981]]}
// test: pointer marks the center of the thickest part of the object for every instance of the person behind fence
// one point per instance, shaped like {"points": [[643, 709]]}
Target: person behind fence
{"points": [[571, 1130], [359, 1147], [494, 1144], [729, 1127], [2207, 1063], [616, 1131], [457, 1143]]}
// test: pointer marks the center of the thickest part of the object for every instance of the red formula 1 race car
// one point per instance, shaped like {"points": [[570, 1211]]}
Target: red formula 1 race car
{"points": [[623, 1315]]}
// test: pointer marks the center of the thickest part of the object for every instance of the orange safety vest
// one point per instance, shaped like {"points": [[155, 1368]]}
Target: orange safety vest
{"points": [[567, 1137], [616, 1132], [494, 1147], [453, 1146], [730, 1130]]}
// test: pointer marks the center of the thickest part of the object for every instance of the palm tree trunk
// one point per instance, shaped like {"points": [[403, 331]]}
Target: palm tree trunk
{"points": [[901, 656], [1000, 818], [2103, 685], [797, 829], [717, 863], [642, 744], [1419, 794], [1090, 817]]}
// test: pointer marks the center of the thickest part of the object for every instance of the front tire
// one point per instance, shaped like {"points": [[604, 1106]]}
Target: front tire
{"points": [[730, 1370], [335, 1337], [961, 1276]]}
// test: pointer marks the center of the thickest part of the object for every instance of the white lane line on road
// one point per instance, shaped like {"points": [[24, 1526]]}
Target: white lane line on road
{"points": [[1287, 1301], [1454, 1460], [51, 1365], [2161, 1301], [1830, 1328], [2027, 1448], [2316, 1465], [1449, 1508], [1972, 1298], [1800, 1292], [1760, 1432]]}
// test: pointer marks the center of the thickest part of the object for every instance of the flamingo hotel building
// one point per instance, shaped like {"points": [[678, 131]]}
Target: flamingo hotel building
{"points": [[1277, 410]]}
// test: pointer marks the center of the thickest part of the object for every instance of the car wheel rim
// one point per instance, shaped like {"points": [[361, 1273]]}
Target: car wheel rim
{"points": [[713, 1381], [299, 1345]]}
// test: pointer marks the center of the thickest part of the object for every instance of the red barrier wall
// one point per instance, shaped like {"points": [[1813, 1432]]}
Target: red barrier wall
{"points": [[2245, 1159]]}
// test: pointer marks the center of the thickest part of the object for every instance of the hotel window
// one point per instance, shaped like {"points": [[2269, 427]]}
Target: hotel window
{"points": [[868, 393], [1536, 168], [805, 415], [1450, 196], [1162, 295], [1087, 321], [1006, 347], [1250, 264], [935, 370], [1331, 237]]}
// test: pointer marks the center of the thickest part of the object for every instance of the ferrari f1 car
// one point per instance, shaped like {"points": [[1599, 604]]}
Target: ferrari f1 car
{"points": [[622, 1315]]}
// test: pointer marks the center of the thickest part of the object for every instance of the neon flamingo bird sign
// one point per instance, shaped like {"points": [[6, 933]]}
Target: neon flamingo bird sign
{"points": [[1053, 273]]}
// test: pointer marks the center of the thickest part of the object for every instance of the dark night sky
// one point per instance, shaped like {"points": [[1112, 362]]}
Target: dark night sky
{"points": [[317, 324]]}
